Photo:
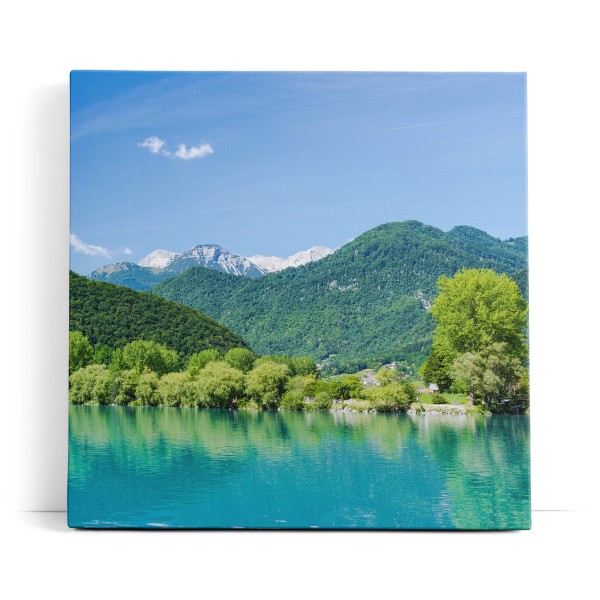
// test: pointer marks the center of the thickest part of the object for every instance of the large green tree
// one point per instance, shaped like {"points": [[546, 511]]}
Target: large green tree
{"points": [[476, 312], [477, 308]]}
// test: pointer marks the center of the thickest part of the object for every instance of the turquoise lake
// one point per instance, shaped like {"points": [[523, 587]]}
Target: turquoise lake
{"points": [[202, 468]]}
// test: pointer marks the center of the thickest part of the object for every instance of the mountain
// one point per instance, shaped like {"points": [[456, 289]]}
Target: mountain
{"points": [[368, 299], [142, 277], [162, 264], [270, 264], [159, 259], [113, 315], [213, 256], [130, 275]]}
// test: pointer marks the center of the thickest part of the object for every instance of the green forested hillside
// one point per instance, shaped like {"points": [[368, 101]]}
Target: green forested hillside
{"points": [[368, 299], [113, 315], [522, 279]]}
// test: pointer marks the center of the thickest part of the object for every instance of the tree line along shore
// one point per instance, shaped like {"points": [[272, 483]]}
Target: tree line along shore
{"points": [[479, 348], [145, 373]]}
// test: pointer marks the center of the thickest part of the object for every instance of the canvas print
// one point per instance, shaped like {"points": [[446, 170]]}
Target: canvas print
{"points": [[298, 300]]}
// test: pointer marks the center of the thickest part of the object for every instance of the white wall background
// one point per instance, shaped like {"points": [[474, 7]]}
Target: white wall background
{"points": [[556, 43]]}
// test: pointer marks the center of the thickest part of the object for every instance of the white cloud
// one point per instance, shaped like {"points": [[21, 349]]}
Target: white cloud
{"points": [[194, 151], [127, 250], [89, 249], [154, 145], [157, 146]]}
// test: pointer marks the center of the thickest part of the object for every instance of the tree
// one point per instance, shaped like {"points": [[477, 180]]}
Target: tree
{"points": [[490, 375], [200, 359], [475, 310], [125, 385], [322, 401], [116, 361], [145, 392], [220, 384], [177, 389], [352, 386], [302, 365], [389, 398], [103, 354], [410, 389], [266, 382], [81, 352], [272, 358], [240, 358], [436, 369], [144, 355], [386, 376], [316, 386], [89, 385], [341, 390], [292, 400], [300, 382]]}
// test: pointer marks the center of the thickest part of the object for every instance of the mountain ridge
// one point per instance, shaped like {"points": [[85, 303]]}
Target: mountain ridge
{"points": [[368, 298], [162, 264]]}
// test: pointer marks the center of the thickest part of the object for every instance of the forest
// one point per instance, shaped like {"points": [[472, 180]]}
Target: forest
{"points": [[110, 316]]}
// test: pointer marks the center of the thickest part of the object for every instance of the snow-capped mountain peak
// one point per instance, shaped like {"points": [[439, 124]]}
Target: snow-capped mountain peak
{"points": [[274, 263], [159, 259], [214, 256]]}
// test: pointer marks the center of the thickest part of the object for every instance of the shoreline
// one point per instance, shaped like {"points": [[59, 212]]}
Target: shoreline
{"points": [[423, 409]]}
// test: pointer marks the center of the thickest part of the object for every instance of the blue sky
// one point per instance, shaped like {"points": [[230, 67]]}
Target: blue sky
{"points": [[273, 163]]}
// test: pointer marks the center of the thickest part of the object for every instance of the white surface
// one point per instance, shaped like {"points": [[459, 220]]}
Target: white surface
{"points": [[548, 562], [557, 44]]}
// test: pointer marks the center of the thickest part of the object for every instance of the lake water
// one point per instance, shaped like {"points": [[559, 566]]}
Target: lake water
{"points": [[201, 468]]}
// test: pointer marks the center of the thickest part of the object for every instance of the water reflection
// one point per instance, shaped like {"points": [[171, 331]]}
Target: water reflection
{"points": [[486, 460], [207, 468]]}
